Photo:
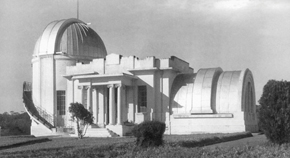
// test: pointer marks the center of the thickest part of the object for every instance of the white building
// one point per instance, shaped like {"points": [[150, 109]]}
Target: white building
{"points": [[70, 64]]}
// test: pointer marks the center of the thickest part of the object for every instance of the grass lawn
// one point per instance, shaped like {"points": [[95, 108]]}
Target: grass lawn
{"points": [[125, 147], [14, 141]]}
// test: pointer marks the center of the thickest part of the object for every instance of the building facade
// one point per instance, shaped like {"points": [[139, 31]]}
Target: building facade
{"points": [[70, 64]]}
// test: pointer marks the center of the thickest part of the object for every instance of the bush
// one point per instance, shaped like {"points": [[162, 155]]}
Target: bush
{"points": [[149, 133], [274, 113], [82, 117]]}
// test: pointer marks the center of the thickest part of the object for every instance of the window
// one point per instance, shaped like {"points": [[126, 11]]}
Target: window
{"points": [[61, 102], [85, 97], [142, 98]]}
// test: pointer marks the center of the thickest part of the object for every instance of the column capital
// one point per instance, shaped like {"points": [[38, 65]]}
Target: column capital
{"points": [[110, 85], [119, 85], [94, 88]]}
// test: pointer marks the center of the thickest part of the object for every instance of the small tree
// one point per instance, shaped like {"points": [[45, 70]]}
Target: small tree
{"points": [[82, 117], [149, 133], [274, 113]]}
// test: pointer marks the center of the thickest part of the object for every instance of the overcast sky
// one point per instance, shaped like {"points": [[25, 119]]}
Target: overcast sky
{"points": [[231, 34]]}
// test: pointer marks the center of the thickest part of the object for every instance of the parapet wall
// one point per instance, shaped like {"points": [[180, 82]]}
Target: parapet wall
{"points": [[115, 63]]}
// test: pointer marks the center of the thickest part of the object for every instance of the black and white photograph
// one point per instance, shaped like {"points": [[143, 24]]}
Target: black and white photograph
{"points": [[145, 78]]}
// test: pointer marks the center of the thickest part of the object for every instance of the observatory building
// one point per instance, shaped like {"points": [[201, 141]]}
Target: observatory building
{"points": [[70, 64]]}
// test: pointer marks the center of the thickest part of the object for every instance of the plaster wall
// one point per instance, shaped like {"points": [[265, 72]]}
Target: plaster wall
{"points": [[47, 83], [61, 84], [60, 66], [40, 130], [101, 92], [208, 125], [130, 103], [158, 94], [124, 105], [179, 64], [183, 101], [148, 62], [147, 79], [36, 81], [69, 99], [128, 63], [167, 80]]}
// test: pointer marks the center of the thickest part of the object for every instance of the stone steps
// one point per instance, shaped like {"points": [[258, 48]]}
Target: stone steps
{"points": [[99, 132]]}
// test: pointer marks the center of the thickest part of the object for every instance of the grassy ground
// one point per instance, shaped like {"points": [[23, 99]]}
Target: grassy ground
{"points": [[125, 147], [14, 141], [69, 142]]}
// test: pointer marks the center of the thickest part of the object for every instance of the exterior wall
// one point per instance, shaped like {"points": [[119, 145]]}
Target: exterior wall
{"points": [[61, 84], [147, 79], [167, 80], [36, 81], [47, 85], [69, 99], [48, 71], [40, 130], [211, 123], [182, 102], [158, 95], [130, 103]]}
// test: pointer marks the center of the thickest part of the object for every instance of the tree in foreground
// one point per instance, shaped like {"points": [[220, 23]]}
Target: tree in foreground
{"points": [[149, 133], [82, 117], [274, 113]]}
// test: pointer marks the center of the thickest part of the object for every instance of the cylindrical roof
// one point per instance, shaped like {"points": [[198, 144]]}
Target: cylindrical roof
{"points": [[195, 94], [71, 37], [235, 90]]}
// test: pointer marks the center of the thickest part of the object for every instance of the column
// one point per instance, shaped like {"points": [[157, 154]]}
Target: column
{"points": [[119, 101], [112, 109], [101, 106], [135, 100], [89, 99], [95, 100], [106, 104], [73, 90], [79, 94]]}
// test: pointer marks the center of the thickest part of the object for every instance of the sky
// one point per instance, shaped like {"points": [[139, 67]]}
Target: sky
{"points": [[231, 34]]}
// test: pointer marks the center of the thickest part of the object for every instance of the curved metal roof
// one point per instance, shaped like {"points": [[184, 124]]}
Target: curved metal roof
{"points": [[195, 94], [72, 37], [232, 90]]}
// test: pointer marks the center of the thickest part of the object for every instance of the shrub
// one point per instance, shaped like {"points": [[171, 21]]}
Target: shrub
{"points": [[274, 113], [82, 116], [149, 133]]}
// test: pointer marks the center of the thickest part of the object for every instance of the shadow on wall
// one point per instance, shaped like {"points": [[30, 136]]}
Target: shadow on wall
{"points": [[180, 81]]}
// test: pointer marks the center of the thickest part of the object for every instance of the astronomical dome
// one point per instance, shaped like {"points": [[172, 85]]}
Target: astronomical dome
{"points": [[71, 37]]}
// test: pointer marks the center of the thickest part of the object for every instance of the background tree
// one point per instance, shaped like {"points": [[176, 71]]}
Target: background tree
{"points": [[82, 117], [274, 112], [15, 123]]}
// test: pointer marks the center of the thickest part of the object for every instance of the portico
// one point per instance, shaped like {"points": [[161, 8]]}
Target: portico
{"points": [[103, 95]]}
